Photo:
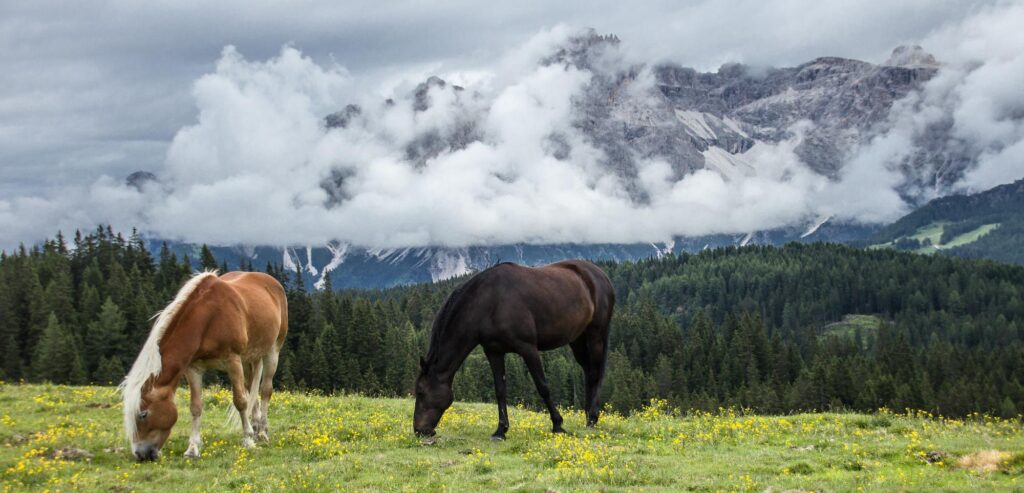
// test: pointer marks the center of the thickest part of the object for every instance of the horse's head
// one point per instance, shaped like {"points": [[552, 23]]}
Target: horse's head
{"points": [[433, 397], [153, 421]]}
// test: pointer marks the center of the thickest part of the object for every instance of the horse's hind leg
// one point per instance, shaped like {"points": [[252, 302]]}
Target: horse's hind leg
{"points": [[591, 353], [532, 358], [266, 390], [236, 373], [252, 382], [195, 385], [497, 361]]}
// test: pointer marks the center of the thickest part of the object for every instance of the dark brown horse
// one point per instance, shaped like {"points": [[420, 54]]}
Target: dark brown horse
{"points": [[513, 309]]}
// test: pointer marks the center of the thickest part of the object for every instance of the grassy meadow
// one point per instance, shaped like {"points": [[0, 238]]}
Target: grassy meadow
{"points": [[354, 443], [933, 233]]}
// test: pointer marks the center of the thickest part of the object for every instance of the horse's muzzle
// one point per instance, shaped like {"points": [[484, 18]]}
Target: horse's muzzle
{"points": [[146, 452]]}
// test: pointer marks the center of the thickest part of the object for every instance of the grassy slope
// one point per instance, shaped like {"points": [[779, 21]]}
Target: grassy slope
{"points": [[933, 232], [356, 443], [847, 327], [971, 236]]}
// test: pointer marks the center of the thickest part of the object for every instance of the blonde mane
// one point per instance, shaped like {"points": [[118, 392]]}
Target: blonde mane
{"points": [[148, 363]]}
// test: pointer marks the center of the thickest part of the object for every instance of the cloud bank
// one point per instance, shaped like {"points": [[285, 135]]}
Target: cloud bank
{"points": [[252, 168]]}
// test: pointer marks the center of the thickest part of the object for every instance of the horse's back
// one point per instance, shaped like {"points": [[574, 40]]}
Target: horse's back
{"points": [[558, 300], [265, 305]]}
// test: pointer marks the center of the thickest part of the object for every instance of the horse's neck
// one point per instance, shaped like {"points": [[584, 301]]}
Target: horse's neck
{"points": [[456, 349], [177, 352]]}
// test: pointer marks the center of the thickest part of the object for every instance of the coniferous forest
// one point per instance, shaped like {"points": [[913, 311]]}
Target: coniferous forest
{"points": [[801, 327]]}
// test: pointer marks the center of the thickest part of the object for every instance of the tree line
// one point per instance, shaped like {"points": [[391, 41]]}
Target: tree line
{"points": [[753, 327]]}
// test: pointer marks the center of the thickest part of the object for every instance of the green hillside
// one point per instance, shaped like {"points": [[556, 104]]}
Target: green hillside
{"points": [[988, 225], [731, 327], [351, 443]]}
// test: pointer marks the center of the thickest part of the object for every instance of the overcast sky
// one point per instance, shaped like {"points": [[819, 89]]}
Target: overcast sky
{"points": [[99, 89]]}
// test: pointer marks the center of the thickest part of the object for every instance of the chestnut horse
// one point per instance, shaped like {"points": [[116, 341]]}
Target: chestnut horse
{"points": [[235, 322], [513, 309]]}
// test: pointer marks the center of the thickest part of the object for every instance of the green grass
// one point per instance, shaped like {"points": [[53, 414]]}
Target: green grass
{"points": [[352, 443], [971, 236], [933, 231], [847, 327]]}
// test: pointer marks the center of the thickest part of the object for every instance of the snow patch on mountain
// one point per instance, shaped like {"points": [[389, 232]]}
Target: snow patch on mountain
{"points": [[817, 224], [731, 166], [695, 123], [309, 261], [288, 262], [449, 264], [338, 253]]}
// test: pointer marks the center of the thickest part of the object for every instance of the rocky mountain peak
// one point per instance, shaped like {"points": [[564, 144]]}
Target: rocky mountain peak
{"points": [[581, 49], [421, 96], [709, 120], [911, 57], [341, 119], [139, 179]]}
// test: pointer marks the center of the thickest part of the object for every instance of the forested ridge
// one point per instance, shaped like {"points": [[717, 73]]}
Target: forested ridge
{"points": [[751, 327], [1001, 206]]}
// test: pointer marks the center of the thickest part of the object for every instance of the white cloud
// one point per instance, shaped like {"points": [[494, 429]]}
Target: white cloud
{"points": [[249, 165]]}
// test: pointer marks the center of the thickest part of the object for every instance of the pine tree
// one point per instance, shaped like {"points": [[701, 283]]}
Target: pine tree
{"points": [[206, 260], [89, 303], [12, 365], [105, 339], [169, 274], [57, 357], [58, 295], [109, 372]]}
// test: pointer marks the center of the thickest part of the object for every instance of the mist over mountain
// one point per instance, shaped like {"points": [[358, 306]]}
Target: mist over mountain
{"points": [[564, 134], [569, 138]]}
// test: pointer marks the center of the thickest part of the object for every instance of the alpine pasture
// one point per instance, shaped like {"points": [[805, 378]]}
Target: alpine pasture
{"points": [[61, 438]]}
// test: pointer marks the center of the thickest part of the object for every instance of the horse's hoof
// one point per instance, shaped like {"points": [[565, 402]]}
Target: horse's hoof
{"points": [[558, 429], [247, 442], [263, 436], [497, 438], [192, 453]]}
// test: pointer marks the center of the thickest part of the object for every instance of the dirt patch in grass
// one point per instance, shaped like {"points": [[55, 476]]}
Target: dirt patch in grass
{"points": [[984, 460]]}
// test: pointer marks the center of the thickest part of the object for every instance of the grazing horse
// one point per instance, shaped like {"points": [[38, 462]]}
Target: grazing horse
{"points": [[509, 308], [235, 322]]}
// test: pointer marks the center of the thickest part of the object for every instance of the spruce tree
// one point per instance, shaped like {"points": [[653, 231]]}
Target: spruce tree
{"points": [[206, 260], [57, 357], [89, 303], [109, 372], [105, 339]]}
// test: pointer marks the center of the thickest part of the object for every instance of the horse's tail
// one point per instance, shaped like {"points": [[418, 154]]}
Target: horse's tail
{"points": [[251, 399]]}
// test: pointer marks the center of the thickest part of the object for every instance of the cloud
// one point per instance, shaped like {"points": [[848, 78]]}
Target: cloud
{"points": [[972, 109], [244, 156], [250, 170]]}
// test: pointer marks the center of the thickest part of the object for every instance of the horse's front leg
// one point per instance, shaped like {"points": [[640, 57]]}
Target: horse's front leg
{"points": [[532, 358], [195, 386], [241, 399], [497, 361]]}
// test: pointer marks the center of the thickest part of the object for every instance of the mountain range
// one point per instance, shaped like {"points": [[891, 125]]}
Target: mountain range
{"points": [[988, 225], [689, 119], [696, 120]]}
